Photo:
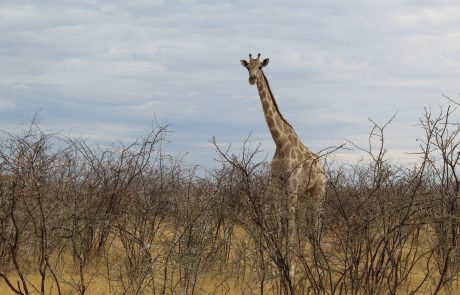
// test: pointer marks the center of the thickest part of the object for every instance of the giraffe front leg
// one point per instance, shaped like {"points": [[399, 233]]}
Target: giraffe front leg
{"points": [[321, 195], [318, 198], [295, 232], [281, 218], [277, 223]]}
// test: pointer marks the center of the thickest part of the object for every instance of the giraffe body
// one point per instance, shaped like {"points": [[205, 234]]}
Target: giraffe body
{"points": [[293, 163], [294, 167]]}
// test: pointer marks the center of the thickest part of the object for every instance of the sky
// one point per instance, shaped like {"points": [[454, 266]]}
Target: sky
{"points": [[109, 70]]}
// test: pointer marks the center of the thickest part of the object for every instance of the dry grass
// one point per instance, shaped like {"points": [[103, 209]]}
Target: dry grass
{"points": [[215, 283]]}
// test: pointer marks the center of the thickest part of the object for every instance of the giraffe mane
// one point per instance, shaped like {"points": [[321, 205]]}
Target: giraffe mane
{"points": [[274, 101]]}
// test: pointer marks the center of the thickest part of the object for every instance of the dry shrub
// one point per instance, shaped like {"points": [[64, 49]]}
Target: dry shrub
{"points": [[146, 223]]}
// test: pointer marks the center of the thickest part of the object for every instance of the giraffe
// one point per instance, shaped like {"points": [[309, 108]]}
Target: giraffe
{"points": [[293, 165]]}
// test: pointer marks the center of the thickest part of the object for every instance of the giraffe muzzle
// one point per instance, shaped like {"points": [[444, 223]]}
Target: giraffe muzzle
{"points": [[252, 80]]}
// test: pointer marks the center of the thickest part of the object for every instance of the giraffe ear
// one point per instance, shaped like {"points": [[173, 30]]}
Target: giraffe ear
{"points": [[244, 63], [265, 62]]}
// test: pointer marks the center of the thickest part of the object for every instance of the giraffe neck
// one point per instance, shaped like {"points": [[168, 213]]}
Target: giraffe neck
{"points": [[279, 127]]}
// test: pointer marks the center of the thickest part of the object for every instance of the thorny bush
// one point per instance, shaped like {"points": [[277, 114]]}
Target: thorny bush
{"points": [[143, 222]]}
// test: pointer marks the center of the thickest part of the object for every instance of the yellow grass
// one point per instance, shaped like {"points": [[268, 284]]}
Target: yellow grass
{"points": [[210, 283]]}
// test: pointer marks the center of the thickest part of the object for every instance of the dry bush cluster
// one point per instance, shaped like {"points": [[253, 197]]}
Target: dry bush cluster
{"points": [[143, 222]]}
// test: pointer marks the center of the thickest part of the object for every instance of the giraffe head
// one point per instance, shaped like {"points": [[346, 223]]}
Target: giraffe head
{"points": [[254, 67]]}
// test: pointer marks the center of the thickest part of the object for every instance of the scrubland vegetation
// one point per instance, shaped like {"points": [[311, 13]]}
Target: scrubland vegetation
{"points": [[130, 219]]}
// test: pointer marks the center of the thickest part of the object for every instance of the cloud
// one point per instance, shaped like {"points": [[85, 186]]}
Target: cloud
{"points": [[5, 104], [109, 69]]}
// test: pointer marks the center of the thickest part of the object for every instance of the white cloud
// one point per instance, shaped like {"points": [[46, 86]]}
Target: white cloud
{"points": [[6, 104], [332, 65]]}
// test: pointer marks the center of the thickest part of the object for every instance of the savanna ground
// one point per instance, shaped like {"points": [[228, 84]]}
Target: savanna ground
{"points": [[131, 219]]}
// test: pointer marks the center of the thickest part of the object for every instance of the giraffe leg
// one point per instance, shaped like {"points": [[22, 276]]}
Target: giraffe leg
{"points": [[295, 235], [277, 218], [283, 219], [301, 220], [316, 225], [291, 236], [301, 227]]}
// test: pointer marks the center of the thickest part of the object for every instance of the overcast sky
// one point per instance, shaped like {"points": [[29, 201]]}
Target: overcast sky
{"points": [[106, 69]]}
